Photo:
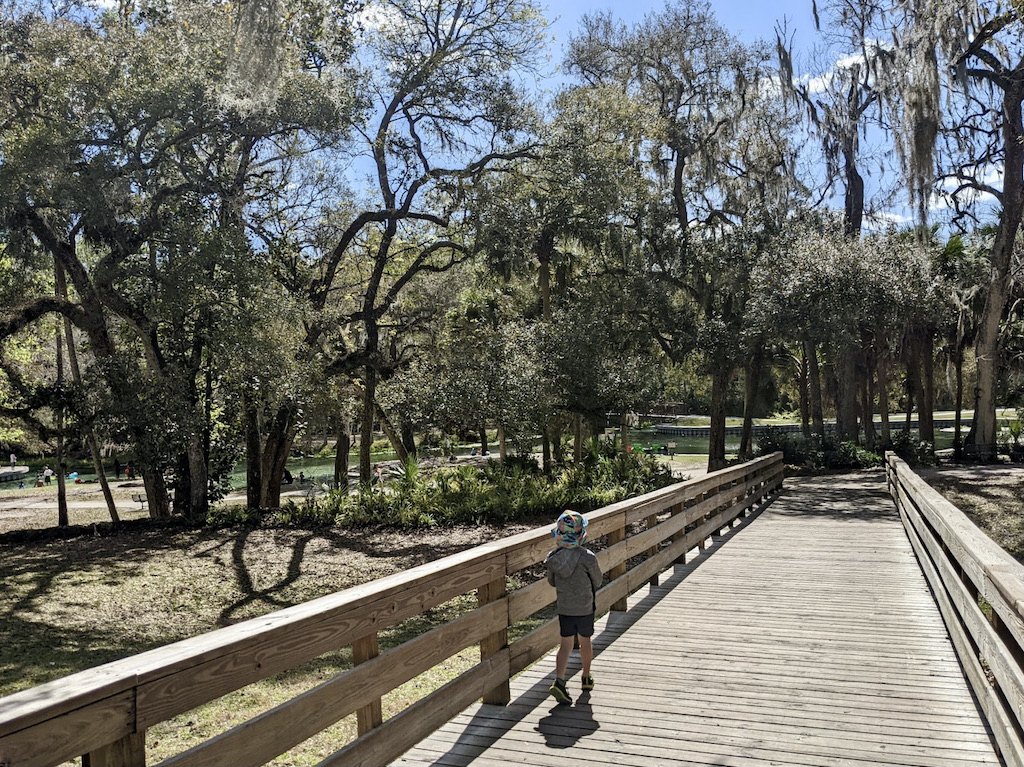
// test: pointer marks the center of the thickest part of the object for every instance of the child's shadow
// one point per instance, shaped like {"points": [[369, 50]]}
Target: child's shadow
{"points": [[566, 725]]}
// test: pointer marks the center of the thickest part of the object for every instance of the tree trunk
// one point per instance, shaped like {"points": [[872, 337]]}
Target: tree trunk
{"points": [[76, 376], [366, 429], [253, 451], [392, 434], [958, 445], [867, 400], [577, 445], [926, 406], [882, 369], [814, 378], [502, 446], [921, 379], [846, 396], [545, 451], [63, 519], [751, 383], [484, 448], [156, 492], [624, 431], [199, 482], [716, 442], [805, 404], [408, 437], [342, 447], [276, 447], [556, 447]]}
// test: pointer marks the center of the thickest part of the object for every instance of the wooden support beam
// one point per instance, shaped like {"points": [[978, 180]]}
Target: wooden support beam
{"points": [[129, 751], [652, 522], [617, 536], [495, 643], [364, 649]]}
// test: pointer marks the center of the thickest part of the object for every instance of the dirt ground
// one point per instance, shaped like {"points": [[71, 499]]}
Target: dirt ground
{"points": [[991, 496]]}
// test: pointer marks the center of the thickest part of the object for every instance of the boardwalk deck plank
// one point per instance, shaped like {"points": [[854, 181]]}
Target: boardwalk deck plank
{"points": [[806, 637]]}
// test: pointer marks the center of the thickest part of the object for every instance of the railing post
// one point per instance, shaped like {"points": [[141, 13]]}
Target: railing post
{"points": [[617, 536], [652, 522], [130, 751], [678, 509], [494, 643], [701, 545], [369, 716]]}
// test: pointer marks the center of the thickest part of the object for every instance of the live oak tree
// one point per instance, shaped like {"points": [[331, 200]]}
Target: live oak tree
{"points": [[561, 217], [958, 105], [443, 112], [712, 161], [125, 135]]}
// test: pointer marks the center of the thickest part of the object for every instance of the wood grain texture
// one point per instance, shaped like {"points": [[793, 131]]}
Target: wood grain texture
{"points": [[807, 635], [264, 737]]}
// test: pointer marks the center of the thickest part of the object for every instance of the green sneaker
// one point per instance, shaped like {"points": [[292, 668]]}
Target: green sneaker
{"points": [[559, 693], [588, 683]]}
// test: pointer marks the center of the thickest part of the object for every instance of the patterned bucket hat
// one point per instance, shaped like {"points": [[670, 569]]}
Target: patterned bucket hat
{"points": [[570, 530]]}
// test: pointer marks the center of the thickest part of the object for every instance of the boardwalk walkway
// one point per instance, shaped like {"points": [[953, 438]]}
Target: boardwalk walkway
{"points": [[808, 637]]}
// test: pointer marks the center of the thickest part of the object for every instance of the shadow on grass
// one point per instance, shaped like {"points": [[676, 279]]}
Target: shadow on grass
{"points": [[72, 604]]}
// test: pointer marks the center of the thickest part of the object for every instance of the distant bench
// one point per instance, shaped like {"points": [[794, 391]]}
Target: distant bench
{"points": [[143, 501]]}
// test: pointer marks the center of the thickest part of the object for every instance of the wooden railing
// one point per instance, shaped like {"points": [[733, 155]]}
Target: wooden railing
{"points": [[980, 592], [103, 713]]}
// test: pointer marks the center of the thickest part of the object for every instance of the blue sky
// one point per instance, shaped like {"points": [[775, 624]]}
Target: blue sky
{"points": [[745, 19]]}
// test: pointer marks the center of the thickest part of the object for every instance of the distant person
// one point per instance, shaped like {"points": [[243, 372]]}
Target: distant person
{"points": [[302, 477], [287, 477], [574, 572], [14, 460], [117, 469], [47, 475], [128, 470]]}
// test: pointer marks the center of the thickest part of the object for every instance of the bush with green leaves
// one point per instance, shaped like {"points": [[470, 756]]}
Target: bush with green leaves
{"points": [[908, 446], [830, 453], [492, 493]]}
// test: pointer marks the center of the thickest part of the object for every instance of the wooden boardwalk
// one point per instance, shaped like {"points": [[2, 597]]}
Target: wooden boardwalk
{"points": [[807, 636]]}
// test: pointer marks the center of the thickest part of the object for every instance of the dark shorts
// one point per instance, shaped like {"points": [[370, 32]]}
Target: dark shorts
{"points": [[571, 625]]}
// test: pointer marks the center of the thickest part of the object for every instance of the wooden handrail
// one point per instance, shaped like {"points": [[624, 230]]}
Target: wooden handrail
{"points": [[104, 712], [979, 589]]}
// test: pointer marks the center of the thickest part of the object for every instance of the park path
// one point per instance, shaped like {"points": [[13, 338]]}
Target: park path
{"points": [[807, 638]]}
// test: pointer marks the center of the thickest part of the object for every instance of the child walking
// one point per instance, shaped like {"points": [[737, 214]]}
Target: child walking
{"points": [[576, 576]]}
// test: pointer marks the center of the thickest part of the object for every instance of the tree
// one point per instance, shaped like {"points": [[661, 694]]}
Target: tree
{"points": [[958, 106], [710, 161], [138, 186], [444, 114]]}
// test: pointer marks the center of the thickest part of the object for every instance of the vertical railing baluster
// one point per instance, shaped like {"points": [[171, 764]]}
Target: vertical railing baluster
{"points": [[494, 643], [652, 522], [129, 751], [617, 536], [364, 649]]}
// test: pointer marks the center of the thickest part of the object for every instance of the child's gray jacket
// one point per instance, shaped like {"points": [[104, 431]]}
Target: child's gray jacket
{"points": [[576, 576]]}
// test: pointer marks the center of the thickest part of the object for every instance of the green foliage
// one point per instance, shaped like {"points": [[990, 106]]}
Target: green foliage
{"points": [[911, 449], [830, 454], [495, 493]]}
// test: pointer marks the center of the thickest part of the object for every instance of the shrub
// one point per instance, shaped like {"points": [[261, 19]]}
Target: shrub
{"points": [[911, 449], [495, 493], [830, 453]]}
